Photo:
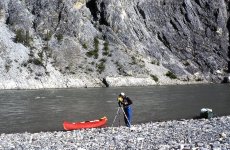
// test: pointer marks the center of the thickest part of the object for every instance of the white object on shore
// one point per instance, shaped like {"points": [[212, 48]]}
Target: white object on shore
{"points": [[132, 128], [205, 110]]}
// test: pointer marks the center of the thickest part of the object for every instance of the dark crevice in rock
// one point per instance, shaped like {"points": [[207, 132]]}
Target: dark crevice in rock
{"points": [[225, 80], [34, 26], [59, 16], [103, 20], [187, 18], [105, 82], [216, 13], [141, 11], [198, 2], [92, 5], [60, 7], [174, 25], [163, 39], [8, 20], [33, 11]]}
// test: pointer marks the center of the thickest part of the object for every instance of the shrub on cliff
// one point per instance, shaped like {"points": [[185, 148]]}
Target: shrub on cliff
{"points": [[154, 77], [22, 37], [106, 49], [171, 75]]}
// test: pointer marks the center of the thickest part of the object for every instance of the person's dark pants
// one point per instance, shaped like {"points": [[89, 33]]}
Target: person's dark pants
{"points": [[128, 112]]}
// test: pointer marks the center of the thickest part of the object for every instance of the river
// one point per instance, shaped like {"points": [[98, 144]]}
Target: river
{"points": [[46, 109]]}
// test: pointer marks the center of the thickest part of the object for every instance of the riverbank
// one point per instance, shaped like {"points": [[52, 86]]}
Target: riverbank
{"points": [[187, 134], [57, 81]]}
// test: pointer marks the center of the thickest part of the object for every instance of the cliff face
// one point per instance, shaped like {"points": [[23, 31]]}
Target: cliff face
{"points": [[78, 43]]}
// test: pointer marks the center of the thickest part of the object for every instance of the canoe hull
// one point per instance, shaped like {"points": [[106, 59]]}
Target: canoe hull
{"points": [[84, 125]]}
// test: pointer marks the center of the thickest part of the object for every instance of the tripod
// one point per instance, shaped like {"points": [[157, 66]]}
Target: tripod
{"points": [[118, 112]]}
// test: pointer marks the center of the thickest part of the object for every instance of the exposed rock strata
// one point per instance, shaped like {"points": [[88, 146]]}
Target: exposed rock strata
{"points": [[78, 43]]}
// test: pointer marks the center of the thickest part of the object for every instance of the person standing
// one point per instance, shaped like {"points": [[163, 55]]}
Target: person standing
{"points": [[125, 102]]}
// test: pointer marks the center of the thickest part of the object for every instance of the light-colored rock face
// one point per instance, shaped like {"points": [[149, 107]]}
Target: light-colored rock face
{"points": [[80, 43]]}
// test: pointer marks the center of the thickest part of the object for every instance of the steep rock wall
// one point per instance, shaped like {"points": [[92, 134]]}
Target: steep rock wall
{"points": [[81, 43]]}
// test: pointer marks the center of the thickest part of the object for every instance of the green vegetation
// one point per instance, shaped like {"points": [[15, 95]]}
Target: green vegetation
{"points": [[48, 51], [40, 54], [22, 37], [96, 44], [59, 37], [134, 61], [37, 62], [103, 60], [28, 39], [154, 77], [94, 52], [171, 75], [7, 67], [48, 36], [100, 67], [89, 69], [119, 66], [106, 49], [1, 13], [154, 62], [19, 38], [84, 46]]}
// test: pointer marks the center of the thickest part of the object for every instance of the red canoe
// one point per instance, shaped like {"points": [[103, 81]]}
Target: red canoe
{"points": [[86, 124]]}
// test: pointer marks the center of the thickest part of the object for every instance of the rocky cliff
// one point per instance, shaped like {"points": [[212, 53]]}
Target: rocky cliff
{"points": [[89, 43]]}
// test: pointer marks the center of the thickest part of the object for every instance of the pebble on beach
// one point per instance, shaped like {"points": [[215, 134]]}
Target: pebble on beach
{"points": [[187, 134]]}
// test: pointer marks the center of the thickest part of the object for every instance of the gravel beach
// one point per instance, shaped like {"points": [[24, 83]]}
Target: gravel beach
{"points": [[200, 134]]}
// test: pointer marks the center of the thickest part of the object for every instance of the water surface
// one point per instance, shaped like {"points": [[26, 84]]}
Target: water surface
{"points": [[45, 110]]}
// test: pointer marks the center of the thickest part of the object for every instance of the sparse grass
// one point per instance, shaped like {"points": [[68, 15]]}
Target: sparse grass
{"points": [[100, 67], [171, 75]]}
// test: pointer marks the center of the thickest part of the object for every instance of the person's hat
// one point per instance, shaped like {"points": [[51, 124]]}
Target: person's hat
{"points": [[122, 94]]}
